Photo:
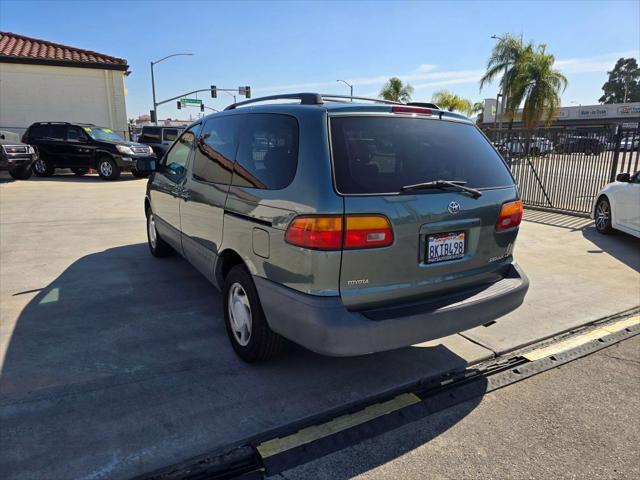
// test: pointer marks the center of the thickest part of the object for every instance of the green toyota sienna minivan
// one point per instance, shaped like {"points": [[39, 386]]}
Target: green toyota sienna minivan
{"points": [[346, 227]]}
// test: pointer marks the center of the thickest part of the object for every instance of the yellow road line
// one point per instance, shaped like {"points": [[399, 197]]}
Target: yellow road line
{"points": [[315, 432], [581, 339]]}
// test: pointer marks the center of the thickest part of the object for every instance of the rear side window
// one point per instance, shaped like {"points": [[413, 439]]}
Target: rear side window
{"points": [[216, 150], [267, 155], [382, 154], [151, 135], [37, 132]]}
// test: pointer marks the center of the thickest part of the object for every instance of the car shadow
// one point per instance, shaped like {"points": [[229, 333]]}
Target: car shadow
{"points": [[561, 220], [122, 365], [620, 245], [88, 178]]}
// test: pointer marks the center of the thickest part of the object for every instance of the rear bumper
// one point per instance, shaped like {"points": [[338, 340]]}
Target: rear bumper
{"points": [[324, 325]]}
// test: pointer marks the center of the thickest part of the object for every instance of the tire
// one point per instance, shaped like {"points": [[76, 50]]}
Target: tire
{"points": [[602, 216], [107, 169], [157, 245], [247, 327], [80, 171], [138, 174], [42, 168], [21, 173]]}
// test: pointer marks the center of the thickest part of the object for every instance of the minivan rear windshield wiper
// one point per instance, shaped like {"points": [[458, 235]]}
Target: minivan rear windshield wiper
{"points": [[443, 184]]}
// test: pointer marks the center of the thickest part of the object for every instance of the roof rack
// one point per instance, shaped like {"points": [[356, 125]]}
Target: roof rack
{"points": [[309, 99]]}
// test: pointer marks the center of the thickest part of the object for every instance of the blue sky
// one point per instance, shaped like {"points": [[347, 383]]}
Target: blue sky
{"points": [[305, 46]]}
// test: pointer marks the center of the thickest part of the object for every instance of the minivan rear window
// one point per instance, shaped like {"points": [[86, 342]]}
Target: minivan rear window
{"points": [[382, 154]]}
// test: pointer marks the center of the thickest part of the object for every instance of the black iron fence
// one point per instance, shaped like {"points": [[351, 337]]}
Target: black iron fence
{"points": [[563, 168]]}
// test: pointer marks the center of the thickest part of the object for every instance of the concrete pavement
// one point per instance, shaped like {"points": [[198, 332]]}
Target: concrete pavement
{"points": [[115, 363]]}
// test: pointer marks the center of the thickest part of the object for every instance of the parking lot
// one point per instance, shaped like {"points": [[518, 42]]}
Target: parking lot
{"points": [[115, 363]]}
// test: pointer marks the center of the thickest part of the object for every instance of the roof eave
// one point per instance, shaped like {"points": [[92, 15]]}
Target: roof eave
{"points": [[63, 63]]}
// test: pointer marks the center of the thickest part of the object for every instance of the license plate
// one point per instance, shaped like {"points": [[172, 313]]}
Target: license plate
{"points": [[445, 246]]}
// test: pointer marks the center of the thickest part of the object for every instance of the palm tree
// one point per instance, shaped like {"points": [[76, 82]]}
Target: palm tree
{"points": [[477, 107], [396, 91], [451, 101], [539, 85]]}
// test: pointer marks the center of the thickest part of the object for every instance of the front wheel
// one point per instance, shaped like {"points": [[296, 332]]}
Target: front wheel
{"points": [[107, 169], [21, 173], [603, 216], [247, 327], [138, 174], [42, 168]]}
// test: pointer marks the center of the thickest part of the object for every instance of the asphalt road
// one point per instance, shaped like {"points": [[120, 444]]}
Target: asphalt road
{"points": [[581, 420]]}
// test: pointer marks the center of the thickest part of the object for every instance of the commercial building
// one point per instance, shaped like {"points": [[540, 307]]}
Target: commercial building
{"points": [[625, 114], [46, 81]]}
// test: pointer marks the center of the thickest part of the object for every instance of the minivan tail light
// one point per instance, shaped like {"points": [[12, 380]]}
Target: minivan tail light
{"points": [[332, 232], [367, 231], [316, 232], [413, 110], [510, 215]]}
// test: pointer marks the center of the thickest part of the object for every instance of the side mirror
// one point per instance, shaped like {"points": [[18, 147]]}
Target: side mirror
{"points": [[623, 177], [146, 165]]}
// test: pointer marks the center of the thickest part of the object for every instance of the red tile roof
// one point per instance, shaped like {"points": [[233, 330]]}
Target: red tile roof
{"points": [[21, 49]]}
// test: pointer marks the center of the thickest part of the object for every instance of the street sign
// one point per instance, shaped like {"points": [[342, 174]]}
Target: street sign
{"points": [[191, 101]]}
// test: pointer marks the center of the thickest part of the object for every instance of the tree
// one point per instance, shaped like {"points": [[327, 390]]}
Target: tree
{"points": [[624, 83], [450, 101], [538, 85], [477, 107], [506, 58], [396, 91]]}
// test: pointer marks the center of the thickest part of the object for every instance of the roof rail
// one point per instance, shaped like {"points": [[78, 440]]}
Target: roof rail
{"points": [[310, 99], [368, 99], [424, 104], [305, 99]]}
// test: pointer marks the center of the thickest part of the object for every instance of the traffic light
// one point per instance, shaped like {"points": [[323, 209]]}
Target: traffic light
{"points": [[179, 104], [214, 91], [246, 91], [202, 107], [152, 114]]}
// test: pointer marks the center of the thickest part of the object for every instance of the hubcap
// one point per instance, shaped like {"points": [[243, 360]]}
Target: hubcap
{"points": [[602, 215], [239, 314], [106, 169], [153, 235], [40, 166]]}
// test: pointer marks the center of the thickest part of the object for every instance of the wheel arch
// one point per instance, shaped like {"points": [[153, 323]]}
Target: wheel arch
{"points": [[227, 259], [603, 195]]}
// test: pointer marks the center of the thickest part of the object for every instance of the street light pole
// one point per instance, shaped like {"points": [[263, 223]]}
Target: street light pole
{"points": [[348, 85], [153, 82]]}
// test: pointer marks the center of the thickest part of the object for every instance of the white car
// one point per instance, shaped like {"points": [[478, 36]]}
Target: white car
{"points": [[627, 144], [617, 205]]}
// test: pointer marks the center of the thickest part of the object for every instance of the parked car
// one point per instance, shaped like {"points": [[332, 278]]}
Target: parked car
{"points": [[348, 228], [617, 205], [16, 157], [629, 143], [580, 144], [159, 138], [81, 146]]}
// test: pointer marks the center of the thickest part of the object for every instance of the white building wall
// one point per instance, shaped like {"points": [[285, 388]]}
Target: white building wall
{"points": [[37, 93]]}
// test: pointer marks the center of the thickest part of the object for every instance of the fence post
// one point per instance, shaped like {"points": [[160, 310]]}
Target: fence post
{"points": [[616, 154]]}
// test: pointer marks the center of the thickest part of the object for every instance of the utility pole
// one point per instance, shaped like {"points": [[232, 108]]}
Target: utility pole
{"points": [[153, 83], [348, 85]]}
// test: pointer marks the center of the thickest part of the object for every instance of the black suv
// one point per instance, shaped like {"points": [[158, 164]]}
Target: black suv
{"points": [[159, 138], [81, 146]]}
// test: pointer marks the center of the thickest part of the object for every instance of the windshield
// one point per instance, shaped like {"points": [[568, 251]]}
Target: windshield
{"points": [[101, 133], [383, 154]]}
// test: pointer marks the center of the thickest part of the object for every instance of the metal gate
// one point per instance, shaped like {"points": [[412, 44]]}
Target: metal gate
{"points": [[563, 168]]}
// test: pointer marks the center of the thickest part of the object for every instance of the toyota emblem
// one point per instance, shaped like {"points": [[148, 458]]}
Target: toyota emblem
{"points": [[454, 208]]}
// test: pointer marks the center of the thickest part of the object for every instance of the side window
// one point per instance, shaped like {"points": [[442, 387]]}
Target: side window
{"points": [[58, 132], [216, 150], [268, 151], [175, 161], [75, 134], [38, 131], [150, 135], [170, 134]]}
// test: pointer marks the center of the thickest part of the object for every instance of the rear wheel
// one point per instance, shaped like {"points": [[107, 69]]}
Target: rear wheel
{"points": [[21, 173], [80, 171], [158, 247], [138, 174], [247, 327], [603, 216], [42, 168], [107, 169]]}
